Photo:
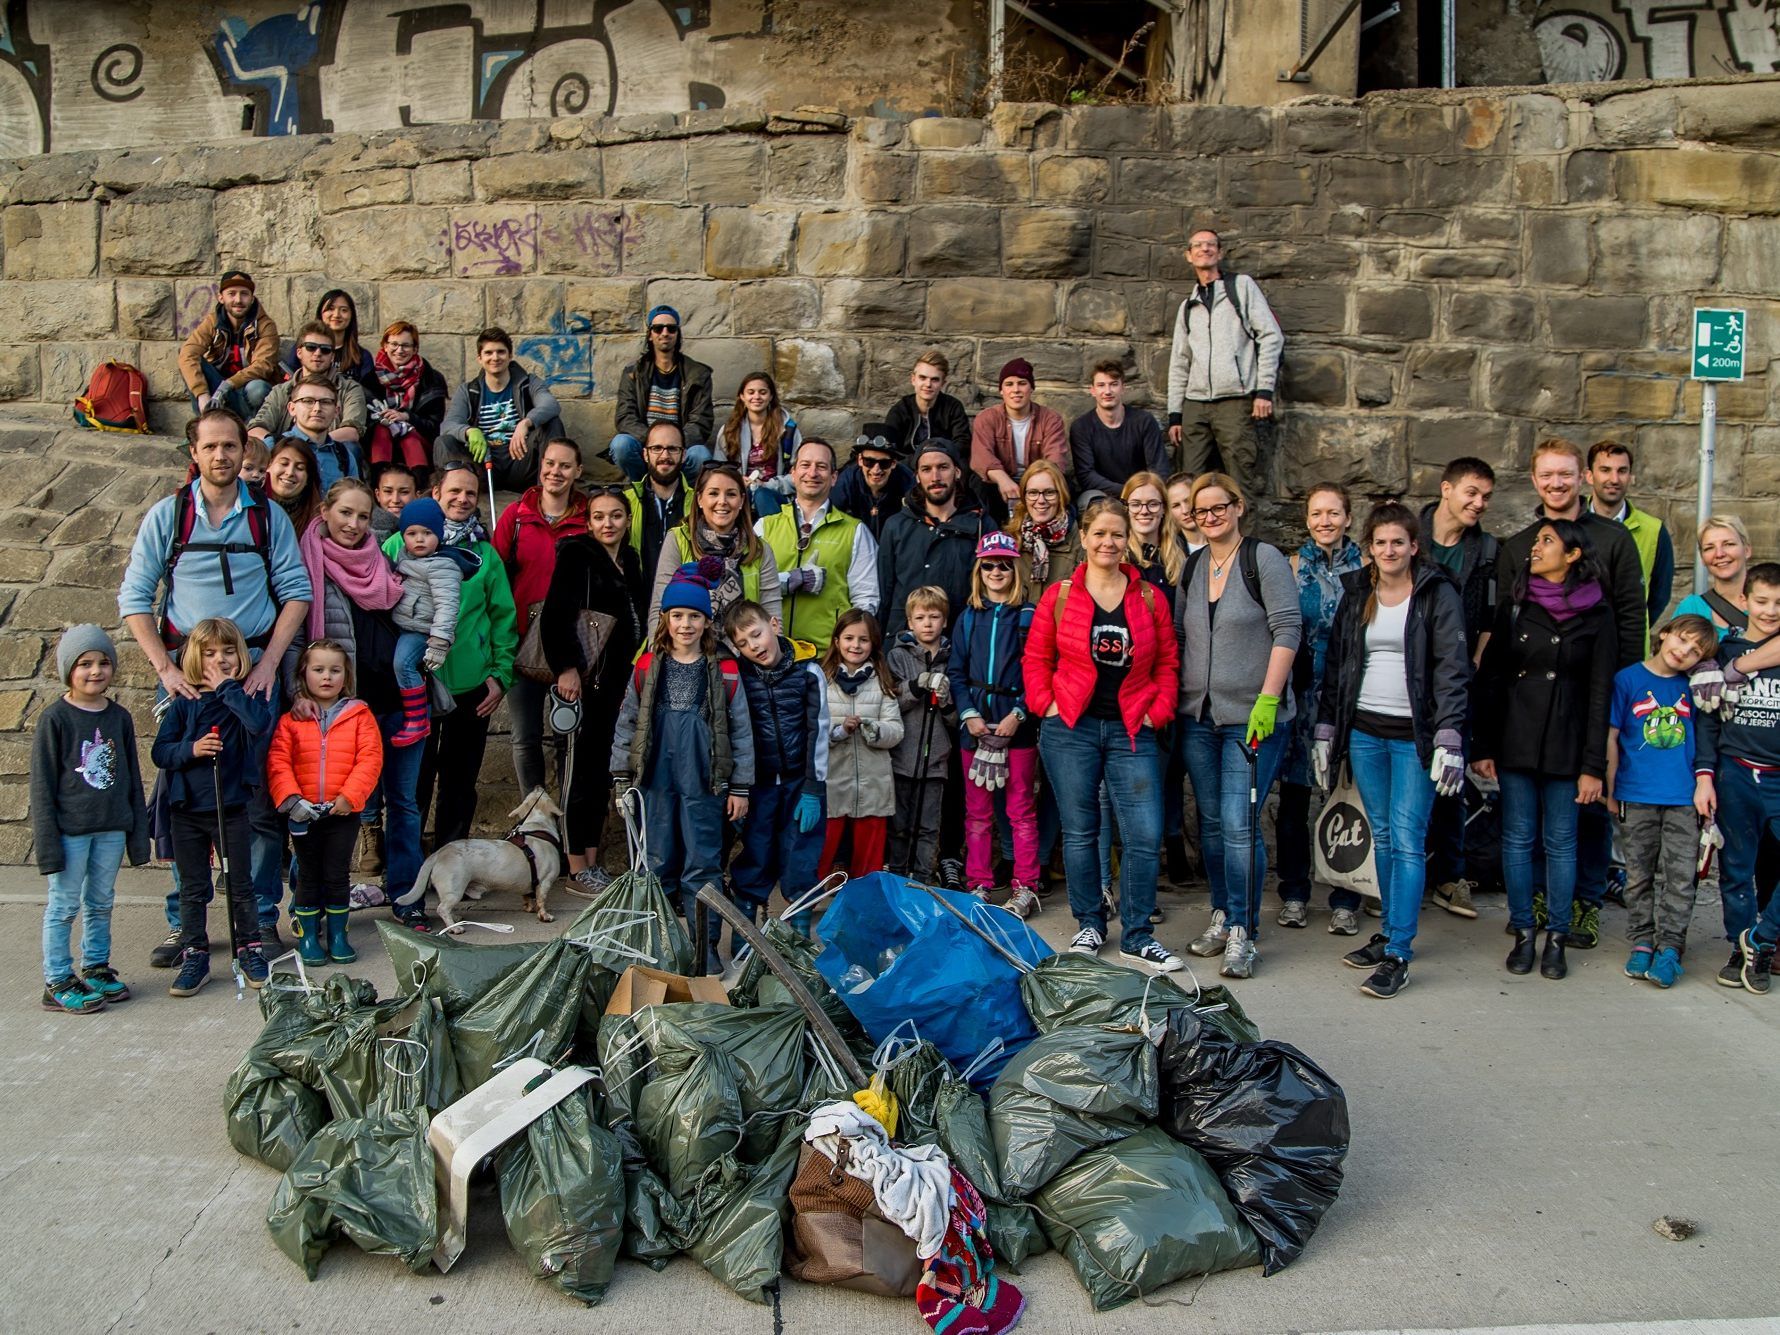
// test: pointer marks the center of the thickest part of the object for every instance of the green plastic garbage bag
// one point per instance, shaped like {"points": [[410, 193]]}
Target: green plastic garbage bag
{"points": [[690, 1115], [633, 923], [653, 1219], [767, 1047], [742, 1242], [370, 1178], [531, 1012], [1014, 1233], [1141, 1213], [419, 1067], [757, 985], [337, 1053], [270, 1114], [621, 1058], [1065, 1092], [1072, 989], [915, 1081], [562, 1195], [457, 972]]}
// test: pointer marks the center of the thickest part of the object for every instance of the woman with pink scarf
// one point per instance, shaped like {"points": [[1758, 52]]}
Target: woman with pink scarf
{"points": [[355, 589]]}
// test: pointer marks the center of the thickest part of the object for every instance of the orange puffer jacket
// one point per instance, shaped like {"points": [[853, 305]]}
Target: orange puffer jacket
{"points": [[342, 760]]}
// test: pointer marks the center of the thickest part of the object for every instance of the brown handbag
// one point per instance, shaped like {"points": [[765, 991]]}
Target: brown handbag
{"points": [[592, 630], [839, 1236]]}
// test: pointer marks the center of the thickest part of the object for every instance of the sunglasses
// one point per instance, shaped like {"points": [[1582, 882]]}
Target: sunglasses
{"points": [[612, 489], [664, 328], [1002, 567], [327, 348], [875, 465]]}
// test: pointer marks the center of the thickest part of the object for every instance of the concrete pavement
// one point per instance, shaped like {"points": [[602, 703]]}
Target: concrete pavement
{"points": [[1513, 1140]]}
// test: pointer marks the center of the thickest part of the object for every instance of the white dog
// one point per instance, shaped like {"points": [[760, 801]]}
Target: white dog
{"points": [[528, 861]]}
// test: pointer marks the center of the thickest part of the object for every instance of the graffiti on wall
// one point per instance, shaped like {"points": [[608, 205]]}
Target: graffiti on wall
{"points": [[110, 73], [506, 245], [563, 358], [1596, 40]]}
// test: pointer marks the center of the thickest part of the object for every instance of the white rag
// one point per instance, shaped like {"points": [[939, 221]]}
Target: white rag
{"points": [[913, 1187]]}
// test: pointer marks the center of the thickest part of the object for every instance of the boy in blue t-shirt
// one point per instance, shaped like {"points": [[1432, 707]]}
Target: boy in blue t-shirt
{"points": [[1652, 788]]}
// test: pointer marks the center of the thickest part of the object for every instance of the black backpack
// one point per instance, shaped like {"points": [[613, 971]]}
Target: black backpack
{"points": [[185, 517]]}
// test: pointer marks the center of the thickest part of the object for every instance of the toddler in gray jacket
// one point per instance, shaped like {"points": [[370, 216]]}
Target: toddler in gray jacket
{"points": [[432, 585]]}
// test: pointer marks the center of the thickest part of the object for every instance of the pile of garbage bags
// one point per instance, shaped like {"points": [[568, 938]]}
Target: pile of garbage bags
{"points": [[1141, 1129]]}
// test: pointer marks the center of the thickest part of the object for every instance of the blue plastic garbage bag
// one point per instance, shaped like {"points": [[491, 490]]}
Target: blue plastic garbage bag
{"points": [[895, 954]]}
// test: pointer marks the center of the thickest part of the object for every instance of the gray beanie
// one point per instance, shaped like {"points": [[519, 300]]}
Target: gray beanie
{"points": [[78, 640]]}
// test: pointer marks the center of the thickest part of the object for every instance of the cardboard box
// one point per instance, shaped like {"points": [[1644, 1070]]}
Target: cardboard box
{"points": [[640, 986]]}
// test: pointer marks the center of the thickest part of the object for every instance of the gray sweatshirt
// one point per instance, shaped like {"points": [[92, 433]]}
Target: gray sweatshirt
{"points": [[86, 778], [1225, 660]]}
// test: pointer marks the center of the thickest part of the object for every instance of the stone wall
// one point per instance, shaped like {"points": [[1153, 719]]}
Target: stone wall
{"points": [[1457, 274]]}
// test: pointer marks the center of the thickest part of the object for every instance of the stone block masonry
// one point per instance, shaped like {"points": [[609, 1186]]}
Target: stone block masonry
{"points": [[1456, 274]]}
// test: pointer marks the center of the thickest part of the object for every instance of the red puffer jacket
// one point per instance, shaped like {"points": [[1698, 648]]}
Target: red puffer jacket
{"points": [[527, 544], [1059, 670], [342, 762]]}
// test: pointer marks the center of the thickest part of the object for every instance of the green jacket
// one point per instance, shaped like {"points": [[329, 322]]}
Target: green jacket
{"points": [[811, 616], [487, 625]]}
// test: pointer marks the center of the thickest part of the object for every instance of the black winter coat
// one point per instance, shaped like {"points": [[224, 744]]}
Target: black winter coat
{"points": [[851, 496], [915, 550], [947, 421], [1479, 553], [1543, 691], [1436, 653], [1622, 578], [585, 577], [786, 702]]}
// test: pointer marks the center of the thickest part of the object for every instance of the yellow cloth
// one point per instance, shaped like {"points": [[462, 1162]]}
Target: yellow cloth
{"points": [[880, 1103]]}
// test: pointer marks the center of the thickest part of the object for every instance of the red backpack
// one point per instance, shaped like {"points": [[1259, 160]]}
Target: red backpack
{"points": [[113, 401]]}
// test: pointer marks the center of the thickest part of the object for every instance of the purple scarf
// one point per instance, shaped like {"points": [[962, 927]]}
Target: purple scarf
{"points": [[1562, 601]]}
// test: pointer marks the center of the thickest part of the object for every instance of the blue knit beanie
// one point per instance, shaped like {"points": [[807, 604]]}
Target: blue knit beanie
{"points": [[422, 512], [687, 588]]}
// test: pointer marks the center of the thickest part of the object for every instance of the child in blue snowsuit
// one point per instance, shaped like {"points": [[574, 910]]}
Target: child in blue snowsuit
{"points": [[788, 705], [683, 734]]}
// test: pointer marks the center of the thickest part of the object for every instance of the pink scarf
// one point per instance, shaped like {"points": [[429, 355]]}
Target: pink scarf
{"points": [[362, 573]]}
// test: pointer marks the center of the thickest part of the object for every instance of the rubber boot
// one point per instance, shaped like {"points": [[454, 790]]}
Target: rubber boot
{"points": [[1520, 958], [308, 929], [415, 724], [340, 950], [1551, 963]]}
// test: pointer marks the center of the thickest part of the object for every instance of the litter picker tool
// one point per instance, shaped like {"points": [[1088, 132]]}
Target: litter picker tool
{"points": [[914, 835], [1251, 752], [222, 858], [488, 472]]}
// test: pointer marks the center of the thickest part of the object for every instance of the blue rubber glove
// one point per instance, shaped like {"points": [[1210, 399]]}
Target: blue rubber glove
{"points": [[809, 813]]}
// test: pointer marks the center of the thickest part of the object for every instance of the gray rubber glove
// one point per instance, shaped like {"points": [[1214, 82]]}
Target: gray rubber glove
{"points": [[1322, 751], [938, 685], [303, 812], [988, 767], [1448, 767]]}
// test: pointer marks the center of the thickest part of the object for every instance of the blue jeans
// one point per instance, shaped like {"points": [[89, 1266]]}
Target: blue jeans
{"points": [[410, 649], [1537, 807], [627, 453], [1748, 808], [1220, 772], [86, 885], [243, 402], [766, 502], [401, 818], [1398, 796], [1078, 760], [1594, 853]]}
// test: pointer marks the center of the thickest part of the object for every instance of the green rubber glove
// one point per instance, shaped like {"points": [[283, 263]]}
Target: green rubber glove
{"points": [[476, 443], [1261, 719]]}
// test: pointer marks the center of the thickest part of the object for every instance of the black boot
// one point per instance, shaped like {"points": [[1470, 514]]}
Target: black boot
{"points": [[1551, 963], [1180, 867], [1520, 959]]}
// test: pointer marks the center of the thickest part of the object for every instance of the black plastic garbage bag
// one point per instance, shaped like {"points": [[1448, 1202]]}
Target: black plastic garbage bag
{"points": [[271, 1114], [1065, 1092], [1141, 1213], [562, 1194], [1267, 1118], [531, 1012], [632, 923], [742, 1241], [457, 972], [370, 1178], [1071, 989]]}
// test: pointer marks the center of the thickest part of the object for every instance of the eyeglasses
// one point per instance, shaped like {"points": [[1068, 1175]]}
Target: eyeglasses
{"points": [[312, 402], [664, 329], [1145, 506], [996, 567], [393, 346], [664, 449], [1201, 514], [326, 348], [1203, 245], [1041, 493]]}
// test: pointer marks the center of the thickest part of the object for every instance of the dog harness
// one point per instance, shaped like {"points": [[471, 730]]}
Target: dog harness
{"points": [[517, 837]]}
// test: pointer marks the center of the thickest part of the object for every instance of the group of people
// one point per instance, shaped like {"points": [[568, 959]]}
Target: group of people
{"points": [[991, 653]]}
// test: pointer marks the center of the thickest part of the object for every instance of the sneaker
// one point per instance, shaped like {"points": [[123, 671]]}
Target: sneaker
{"points": [[1388, 979], [951, 874], [1731, 975], [1344, 922], [1665, 969], [1637, 964], [1239, 955], [1758, 961], [1087, 941], [271, 944], [102, 979], [1368, 956], [589, 882], [1293, 914], [1615, 891], [1374, 909], [415, 921], [1455, 898], [1585, 928], [194, 972], [1540, 916], [1212, 940], [166, 955], [253, 966], [70, 996], [1023, 902], [1153, 953], [1157, 916], [980, 893]]}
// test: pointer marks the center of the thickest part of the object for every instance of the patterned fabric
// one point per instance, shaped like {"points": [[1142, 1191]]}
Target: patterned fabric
{"points": [[682, 684], [959, 1292], [1319, 594]]}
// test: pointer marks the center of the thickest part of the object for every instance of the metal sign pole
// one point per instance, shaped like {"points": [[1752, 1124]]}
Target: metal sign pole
{"points": [[1708, 449]]}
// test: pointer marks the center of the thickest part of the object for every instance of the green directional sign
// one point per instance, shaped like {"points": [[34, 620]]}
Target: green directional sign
{"points": [[1718, 344]]}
